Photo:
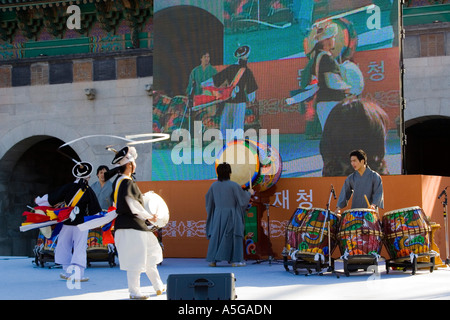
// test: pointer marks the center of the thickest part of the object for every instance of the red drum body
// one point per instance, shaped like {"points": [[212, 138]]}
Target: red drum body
{"points": [[313, 233], [48, 245], [407, 232], [97, 248], [360, 233], [292, 230], [95, 240], [44, 251]]}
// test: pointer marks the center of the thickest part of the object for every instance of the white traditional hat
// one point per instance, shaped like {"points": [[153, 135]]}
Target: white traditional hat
{"points": [[326, 31], [320, 31], [125, 155]]}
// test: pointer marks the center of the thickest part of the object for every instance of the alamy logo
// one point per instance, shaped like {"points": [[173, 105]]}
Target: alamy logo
{"points": [[74, 20], [207, 145], [374, 21], [73, 281]]}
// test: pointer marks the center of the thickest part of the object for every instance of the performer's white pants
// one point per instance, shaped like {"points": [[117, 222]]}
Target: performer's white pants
{"points": [[134, 280], [70, 237], [233, 117], [139, 251]]}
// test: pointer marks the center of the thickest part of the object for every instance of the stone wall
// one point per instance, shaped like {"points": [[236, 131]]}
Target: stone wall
{"points": [[426, 86], [43, 104]]}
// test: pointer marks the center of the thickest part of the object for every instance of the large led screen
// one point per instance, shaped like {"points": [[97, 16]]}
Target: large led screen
{"points": [[312, 79]]}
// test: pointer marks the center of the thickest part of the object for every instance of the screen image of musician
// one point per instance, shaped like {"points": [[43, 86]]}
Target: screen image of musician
{"points": [[307, 64]]}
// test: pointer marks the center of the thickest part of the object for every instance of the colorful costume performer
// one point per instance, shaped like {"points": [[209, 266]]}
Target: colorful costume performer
{"points": [[71, 247], [332, 87], [233, 115]]}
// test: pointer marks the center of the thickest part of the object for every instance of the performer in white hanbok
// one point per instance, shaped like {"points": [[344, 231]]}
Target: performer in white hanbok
{"points": [[138, 248]]}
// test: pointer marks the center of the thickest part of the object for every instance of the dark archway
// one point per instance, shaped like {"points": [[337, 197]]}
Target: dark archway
{"points": [[33, 167], [181, 34], [428, 146]]}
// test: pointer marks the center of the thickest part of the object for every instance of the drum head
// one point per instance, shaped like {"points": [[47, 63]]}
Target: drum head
{"points": [[359, 210], [271, 166], [242, 156], [360, 221], [154, 204], [402, 210], [298, 216]]}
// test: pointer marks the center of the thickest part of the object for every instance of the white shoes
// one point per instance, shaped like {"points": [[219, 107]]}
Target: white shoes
{"points": [[66, 276], [139, 296], [238, 264]]}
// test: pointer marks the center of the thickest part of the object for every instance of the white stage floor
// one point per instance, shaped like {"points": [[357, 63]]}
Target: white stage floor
{"points": [[21, 279]]}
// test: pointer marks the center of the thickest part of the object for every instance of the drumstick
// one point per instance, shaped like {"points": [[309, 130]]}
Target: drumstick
{"points": [[251, 180], [368, 206], [368, 203]]}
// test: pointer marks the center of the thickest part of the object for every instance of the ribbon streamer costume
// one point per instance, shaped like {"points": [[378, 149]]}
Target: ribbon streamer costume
{"points": [[72, 242], [233, 115]]}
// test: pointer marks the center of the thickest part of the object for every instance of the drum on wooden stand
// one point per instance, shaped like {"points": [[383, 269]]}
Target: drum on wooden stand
{"points": [[407, 232], [97, 250], [360, 233], [408, 239], [292, 229], [360, 239], [308, 241], [313, 234], [44, 250]]}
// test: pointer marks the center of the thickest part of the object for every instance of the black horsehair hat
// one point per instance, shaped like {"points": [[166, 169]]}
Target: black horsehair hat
{"points": [[242, 52], [82, 170]]}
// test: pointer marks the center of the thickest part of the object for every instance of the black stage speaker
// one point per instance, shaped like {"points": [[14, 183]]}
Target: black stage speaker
{"points": [[206, 286]]}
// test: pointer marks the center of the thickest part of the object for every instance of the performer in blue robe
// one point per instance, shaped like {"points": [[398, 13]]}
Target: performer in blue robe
{"points": [[103, 188], [226, 202], [363, 182]]}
